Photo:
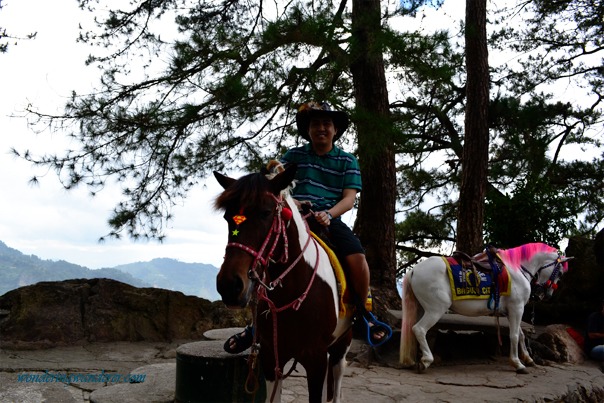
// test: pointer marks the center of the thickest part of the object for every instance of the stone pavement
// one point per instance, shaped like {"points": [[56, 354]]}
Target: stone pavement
{"points": [[365, 381]]}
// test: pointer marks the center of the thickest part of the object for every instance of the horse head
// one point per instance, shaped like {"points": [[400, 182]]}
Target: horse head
{"points": [[543, 264], [550, 268], [257, 216]]}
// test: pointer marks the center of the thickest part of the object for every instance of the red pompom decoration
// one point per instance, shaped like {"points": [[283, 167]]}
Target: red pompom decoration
{"points": [[286, 214], [548, 283], [554, 286]]}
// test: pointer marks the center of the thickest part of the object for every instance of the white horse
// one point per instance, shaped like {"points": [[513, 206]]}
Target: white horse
{"points": [[534, 266]]}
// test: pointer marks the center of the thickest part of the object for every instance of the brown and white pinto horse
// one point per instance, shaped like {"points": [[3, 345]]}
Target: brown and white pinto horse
{"points": [[272, 260]]}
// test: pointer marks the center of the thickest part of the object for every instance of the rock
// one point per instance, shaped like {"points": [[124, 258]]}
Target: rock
{"points": [[559, 346], [158, 387], [49, 314]]}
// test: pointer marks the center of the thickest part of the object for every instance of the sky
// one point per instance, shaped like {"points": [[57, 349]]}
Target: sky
{"points": [[47, 221]]}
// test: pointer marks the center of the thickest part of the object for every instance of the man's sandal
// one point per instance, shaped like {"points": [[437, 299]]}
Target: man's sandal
{"points": [[241, 341]]}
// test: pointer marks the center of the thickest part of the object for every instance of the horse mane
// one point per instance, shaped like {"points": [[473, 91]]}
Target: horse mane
{"points": [[273, 168], [247, 190], [515, 256], [251, 188]]}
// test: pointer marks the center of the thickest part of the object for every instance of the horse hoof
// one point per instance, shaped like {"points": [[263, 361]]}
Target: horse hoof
{"points": [[522, 371], [530, 364]]}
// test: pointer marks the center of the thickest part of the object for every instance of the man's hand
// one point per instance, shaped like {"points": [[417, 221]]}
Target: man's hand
{"points": [[323, 218]]}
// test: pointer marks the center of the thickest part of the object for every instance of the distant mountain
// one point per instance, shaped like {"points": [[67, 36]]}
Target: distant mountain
{"points": [[18, 270], [196, 279]]}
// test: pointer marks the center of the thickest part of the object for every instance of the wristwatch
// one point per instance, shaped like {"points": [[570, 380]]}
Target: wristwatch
{"points": [[329, 215]]}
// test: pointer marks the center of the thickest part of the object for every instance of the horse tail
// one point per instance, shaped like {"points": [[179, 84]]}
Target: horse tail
{"points": [[408, 349]]}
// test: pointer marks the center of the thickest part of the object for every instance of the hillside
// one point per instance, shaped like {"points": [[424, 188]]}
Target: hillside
{"points": [[196, 279], [18, 270]]}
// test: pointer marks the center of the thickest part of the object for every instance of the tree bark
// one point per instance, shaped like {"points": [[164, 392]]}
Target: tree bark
{"points": [[476, 140], [375, 218]]}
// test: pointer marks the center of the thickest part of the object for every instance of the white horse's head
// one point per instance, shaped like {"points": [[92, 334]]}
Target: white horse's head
{"points": [[549, 271], [545, 264]]}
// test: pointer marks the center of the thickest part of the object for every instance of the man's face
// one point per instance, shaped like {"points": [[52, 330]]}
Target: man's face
{"points": [[321, 130]]}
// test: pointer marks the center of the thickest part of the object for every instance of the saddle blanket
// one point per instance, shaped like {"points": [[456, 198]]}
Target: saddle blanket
{"points": [[465, 285], [346, 304]]}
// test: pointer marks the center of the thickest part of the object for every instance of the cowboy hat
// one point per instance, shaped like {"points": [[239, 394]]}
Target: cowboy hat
{"points": [[312, 109]]}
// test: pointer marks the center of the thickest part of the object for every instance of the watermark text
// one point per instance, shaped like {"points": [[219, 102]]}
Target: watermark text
{"points": [[63, 377]]}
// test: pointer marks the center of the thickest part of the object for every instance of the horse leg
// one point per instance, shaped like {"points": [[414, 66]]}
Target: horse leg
{"points": [[426, 286], [337, 366], [316, 376], [515, 331], [524, 354], [338, 375], [420, 329]]}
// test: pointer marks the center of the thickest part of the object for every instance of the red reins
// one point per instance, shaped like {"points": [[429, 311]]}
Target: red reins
{"points": [[262, 258], [279, 228]]}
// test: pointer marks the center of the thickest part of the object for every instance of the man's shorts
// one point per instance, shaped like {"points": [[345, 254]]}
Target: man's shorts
{"points": [[343, 239]]}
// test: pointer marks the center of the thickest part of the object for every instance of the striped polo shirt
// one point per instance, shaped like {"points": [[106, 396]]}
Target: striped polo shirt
{"points": [[322, 179]]}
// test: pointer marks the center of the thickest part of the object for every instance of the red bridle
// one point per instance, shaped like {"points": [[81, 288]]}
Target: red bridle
{"points": [[264, 256]]}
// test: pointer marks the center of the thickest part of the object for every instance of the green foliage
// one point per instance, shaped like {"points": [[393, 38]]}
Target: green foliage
{"points": [[532, 213], [423, 229]]}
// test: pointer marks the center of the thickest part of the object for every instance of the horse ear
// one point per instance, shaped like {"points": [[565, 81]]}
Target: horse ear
{"points": [[566, 258], [284, 179], [224, 181]]}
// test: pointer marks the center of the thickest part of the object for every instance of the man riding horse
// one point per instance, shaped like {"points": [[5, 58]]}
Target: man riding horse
{"points": [[327, 182]]}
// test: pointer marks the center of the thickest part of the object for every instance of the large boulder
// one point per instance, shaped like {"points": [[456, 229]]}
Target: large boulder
{"points": [[556, 344], [67, 312]]}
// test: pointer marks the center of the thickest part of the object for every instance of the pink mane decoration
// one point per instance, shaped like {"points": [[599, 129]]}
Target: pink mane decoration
{"points": [[514, 257]]}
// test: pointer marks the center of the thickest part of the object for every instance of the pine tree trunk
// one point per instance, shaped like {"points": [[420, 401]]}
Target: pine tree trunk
{"points": [[475, 152], [375, 218]]}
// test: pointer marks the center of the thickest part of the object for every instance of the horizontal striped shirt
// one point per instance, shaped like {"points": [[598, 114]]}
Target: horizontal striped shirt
{"points": [[321, 179]]}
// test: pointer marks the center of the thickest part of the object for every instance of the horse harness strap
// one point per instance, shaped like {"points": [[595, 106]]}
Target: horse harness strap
{"points": [[295, 304], [279, 228], [497, 267], [537, 289]]}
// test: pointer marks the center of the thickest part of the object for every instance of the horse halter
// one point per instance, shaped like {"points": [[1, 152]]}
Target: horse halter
{"points": [[538, 290], [264, 256]]}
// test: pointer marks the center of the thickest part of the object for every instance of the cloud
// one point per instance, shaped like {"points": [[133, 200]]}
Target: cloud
{"points": [[46, 220]]}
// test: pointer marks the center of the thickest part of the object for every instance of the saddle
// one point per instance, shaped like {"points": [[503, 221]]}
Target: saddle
{"points": [[479, 262], [487, 262]]}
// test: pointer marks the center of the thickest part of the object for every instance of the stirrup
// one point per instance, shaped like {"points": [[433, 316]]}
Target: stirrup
{"points": [[368, 317], [378, 326]]}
